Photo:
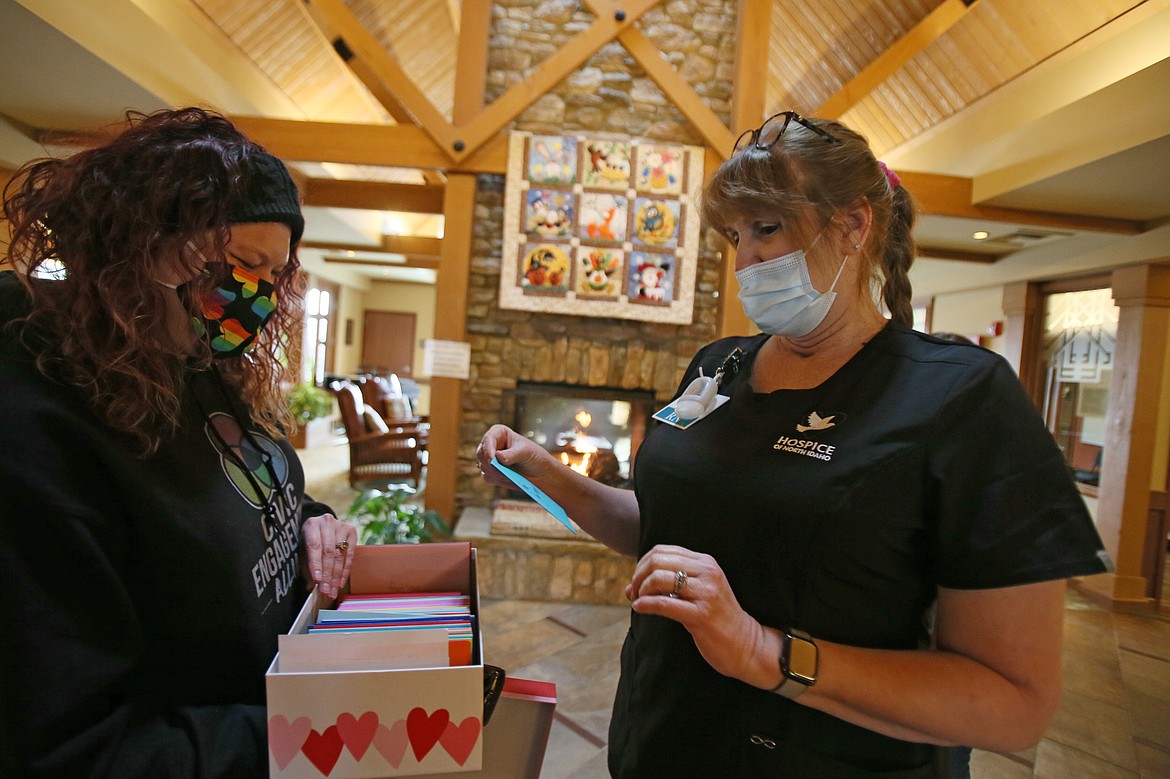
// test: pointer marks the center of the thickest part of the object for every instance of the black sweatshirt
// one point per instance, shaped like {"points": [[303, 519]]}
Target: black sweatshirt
{"points": [[143, 596]]}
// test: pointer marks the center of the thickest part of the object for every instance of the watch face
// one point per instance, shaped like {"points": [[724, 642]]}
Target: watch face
{"points": [[802, 661]]}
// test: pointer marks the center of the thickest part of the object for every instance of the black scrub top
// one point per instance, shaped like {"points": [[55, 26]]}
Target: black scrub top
{"points": [[838, 510]]}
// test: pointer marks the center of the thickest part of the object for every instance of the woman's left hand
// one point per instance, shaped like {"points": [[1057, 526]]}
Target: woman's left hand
{"points": [[327, 552], [691, 588]]}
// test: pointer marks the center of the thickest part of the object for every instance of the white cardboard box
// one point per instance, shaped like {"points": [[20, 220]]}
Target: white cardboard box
{"points": [[366, 724], [515, 740]]}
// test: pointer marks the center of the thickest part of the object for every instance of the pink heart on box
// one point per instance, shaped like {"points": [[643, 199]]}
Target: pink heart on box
{"points": [[425, 729], [460, 740], [323, 748], [391, 742], [357, 732], [285, 739]]}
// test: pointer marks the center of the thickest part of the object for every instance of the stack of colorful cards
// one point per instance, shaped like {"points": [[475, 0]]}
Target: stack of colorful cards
{"points": [[404, 613]]}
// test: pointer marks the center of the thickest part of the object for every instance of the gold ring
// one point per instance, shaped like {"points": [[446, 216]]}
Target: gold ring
{"points": [[342, 546], [680, 582]]}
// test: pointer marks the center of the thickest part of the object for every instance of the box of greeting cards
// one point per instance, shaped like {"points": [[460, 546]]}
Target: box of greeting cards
{"points": [[387, 681]]}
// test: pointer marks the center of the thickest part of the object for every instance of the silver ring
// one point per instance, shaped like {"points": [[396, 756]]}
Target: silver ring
{"points": [[680, 582]]}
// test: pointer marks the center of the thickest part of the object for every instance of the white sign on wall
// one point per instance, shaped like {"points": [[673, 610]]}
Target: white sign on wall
{"points": [[449, 359]]}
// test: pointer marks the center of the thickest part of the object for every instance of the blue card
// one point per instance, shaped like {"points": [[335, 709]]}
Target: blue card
{"points": [[534, 492]]}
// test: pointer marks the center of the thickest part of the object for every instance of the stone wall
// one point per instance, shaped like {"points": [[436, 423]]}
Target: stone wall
{"points": [[609, 95]]}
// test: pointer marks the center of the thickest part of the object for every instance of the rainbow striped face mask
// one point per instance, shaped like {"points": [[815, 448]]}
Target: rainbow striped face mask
{"points": [[235, 311]]}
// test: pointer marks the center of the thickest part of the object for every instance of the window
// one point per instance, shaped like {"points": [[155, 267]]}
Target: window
{"points": [[316, 335], [1080, 329]]}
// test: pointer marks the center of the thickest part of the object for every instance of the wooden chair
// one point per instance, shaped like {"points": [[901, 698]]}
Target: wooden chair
{"points": [[379, 454], [385, 394]]}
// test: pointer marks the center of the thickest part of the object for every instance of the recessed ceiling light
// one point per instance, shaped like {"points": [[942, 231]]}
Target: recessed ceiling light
{"points": [[980, 235], [350, 253]]}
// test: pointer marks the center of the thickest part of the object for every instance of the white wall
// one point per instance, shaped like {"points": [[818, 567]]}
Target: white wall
{"points": [[971, 313], [349, 309]]}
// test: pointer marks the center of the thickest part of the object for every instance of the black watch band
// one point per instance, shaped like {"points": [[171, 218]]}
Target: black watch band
{"points": [[798, 664]]}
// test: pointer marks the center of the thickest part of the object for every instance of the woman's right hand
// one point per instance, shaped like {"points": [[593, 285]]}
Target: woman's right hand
{"points": [[514, 451]]}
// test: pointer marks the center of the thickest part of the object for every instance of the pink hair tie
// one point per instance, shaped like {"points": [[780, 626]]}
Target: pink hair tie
{"points": [[892, 178]]}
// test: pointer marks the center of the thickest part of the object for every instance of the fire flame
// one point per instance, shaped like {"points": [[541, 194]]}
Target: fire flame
{"points": [[583, 419], [582, 465]]}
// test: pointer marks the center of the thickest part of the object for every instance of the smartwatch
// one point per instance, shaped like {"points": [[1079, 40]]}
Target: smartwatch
{"points": [[798, 664]]}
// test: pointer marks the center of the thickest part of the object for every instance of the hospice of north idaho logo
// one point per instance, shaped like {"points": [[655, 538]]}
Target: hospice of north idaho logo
{"points": [[809, 447]]}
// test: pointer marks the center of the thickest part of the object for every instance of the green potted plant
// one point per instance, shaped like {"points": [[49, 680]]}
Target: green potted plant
{"points": [[386, 517], [310, 406]]}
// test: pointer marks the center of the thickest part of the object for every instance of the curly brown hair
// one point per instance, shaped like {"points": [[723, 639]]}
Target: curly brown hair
{"points": [[91, 232], [803, 172]]}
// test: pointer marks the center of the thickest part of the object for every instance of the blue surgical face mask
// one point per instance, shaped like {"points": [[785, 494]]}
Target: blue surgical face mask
{"points": [[778, 295]]}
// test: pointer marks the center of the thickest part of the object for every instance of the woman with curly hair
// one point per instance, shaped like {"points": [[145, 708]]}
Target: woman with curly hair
{"points": [[154, 530]]}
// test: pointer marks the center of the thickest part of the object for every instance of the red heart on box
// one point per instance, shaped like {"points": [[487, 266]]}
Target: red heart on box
{"points": [[357, 732], [460, 740], [323, 749], [391, 742], [425, 729], [285, 739]]}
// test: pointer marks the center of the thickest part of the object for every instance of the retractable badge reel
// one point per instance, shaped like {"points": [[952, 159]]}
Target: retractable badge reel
{"points": [[701, 396]]}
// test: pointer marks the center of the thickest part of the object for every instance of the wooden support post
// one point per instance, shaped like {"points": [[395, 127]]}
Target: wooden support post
{"points": [[451, 301], [1142, 292]]}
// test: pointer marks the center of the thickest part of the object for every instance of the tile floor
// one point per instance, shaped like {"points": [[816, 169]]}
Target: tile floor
{"points": [[1114, 720]]}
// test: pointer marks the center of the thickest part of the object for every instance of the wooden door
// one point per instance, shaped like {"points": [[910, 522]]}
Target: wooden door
{"points": [[388, 343]]}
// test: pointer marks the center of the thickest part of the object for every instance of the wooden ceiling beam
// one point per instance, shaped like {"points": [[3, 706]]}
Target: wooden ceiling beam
{"points": [[317, 20], [417, 262], [568, 58], [471, 59], [412, 244], [938, 253], [892, 59], [751, 64], [384, 67], [375, 195], [414, 247], [951, 196], [395, 146], [456, 16]]}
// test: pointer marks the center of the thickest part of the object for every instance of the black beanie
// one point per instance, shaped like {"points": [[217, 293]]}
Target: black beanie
{"points": [[270, 195]]}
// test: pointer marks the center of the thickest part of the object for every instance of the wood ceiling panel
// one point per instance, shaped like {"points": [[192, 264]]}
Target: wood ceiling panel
{"points": [[283, 42], [421, 36], [817, 47], [996, 41]]}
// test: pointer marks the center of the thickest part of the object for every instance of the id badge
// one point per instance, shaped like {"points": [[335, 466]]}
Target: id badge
{"points": [[670, 416], [701, 397]]}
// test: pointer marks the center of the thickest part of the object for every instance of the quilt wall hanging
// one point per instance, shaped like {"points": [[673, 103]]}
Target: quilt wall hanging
{"points": [[601, 227]]}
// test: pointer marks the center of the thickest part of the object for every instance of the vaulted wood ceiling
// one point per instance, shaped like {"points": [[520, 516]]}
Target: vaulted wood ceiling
{"points": [[906, 73]]}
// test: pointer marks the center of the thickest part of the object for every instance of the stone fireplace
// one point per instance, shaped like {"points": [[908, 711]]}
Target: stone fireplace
{"points": [[596, 359], [542, 374]]}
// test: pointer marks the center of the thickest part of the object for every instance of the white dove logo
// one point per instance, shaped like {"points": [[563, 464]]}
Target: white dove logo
{"points": [[816, 422]]}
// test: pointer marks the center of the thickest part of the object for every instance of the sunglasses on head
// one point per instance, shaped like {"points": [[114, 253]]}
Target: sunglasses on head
{"points": [[766, 135]]}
